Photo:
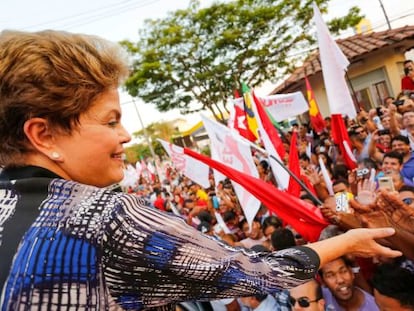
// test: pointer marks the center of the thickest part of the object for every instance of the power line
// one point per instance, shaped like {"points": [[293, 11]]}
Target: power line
{"points": [[116, 12], [95, 14], [71, 16]]}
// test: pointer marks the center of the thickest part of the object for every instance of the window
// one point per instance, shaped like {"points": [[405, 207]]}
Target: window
{"points": [[381, 92], [363, 98], [371, 88]]}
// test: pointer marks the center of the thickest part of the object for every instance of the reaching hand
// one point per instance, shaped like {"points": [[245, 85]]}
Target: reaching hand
{"points": [[313, 175], [347, 221], [362, 242], [366, 191], [328, 210], [376, 219], [362, 208], [397, 210]]}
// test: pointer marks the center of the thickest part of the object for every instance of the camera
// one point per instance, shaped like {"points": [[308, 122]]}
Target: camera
{"points": [[398, 102], [384, 132], [362, 172]]}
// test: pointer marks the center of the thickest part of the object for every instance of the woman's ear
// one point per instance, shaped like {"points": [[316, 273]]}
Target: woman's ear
{"points": [[40, 136]]}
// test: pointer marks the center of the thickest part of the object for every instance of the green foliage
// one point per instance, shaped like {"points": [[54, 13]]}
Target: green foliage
{"points": [[197, 56], [351, 19], [206, 151], [163, 130], [141, 151]]}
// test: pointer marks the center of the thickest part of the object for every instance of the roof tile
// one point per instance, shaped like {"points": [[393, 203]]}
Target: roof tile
{"points": [[353, 47]]}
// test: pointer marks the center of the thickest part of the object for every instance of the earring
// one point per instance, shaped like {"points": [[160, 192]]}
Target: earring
{"points": [[55, 155]]}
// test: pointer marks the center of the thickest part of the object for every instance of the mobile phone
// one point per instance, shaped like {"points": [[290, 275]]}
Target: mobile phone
{"points": [[379, 111], [342, 204], [384, 132], [399, 102], [386, 183]]}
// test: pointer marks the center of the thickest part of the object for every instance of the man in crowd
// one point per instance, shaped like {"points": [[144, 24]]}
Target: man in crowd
{"points": [[401, 144], [360, 140], [394, 288], [340, 292], [254, 234], [407, 82], [307, 297]]}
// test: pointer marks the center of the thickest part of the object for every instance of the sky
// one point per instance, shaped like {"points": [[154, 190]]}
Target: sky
{"points": [[117, 20]]}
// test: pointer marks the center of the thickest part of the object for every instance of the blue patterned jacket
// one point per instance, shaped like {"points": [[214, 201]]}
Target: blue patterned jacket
{"points": [[69, 246]]}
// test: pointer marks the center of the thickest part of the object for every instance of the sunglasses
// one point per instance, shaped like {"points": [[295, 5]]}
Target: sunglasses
{"points": [[408, 201], [304, 302]]}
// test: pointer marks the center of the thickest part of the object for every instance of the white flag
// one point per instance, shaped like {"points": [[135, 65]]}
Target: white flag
{"points": [[228, 149], [326, 178], [284, 106], [130, 177], [334, 64], [192, 168]]}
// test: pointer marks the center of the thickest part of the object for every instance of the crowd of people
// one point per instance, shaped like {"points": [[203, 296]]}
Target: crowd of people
{"points": [[378, 193], [70, 241]]}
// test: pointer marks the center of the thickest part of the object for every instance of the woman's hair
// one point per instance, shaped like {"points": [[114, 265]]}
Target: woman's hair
{"points": [[53, 75]]}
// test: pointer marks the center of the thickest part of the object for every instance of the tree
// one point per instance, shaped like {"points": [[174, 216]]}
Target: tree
{"points": [[163, 130], [194, 59]]}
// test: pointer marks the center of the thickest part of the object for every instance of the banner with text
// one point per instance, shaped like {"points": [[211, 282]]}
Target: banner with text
{"points": [[284, 106]]}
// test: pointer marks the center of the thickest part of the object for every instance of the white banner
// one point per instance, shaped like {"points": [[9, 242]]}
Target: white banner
{"points": [[231, 151], [192, 168], [284, 106], [334, 64]]}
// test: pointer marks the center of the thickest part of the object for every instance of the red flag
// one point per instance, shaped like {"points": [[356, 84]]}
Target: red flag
{"points": [[341, 138], [304, 217], [269, 128], [294, 167], [317, 121]]}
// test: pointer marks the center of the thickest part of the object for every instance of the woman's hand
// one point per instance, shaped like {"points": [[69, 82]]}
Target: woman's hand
{"points": [[358, 242], [362, 242]]}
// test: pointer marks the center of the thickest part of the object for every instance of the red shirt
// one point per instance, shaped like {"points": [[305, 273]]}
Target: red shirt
{"points": [[407, 84], [159, 203]]}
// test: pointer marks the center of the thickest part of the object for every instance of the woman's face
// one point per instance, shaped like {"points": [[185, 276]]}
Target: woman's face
{"points": [[93, 153]]}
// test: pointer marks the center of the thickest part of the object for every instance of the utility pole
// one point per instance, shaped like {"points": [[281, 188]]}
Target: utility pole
{"points": [[385, 14], [144, 130]]}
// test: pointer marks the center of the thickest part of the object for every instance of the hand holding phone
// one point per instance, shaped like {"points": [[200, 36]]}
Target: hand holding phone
{"points": [[386, 183], [342, 204]]}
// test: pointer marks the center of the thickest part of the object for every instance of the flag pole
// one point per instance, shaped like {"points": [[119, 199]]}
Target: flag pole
{"points": [[303, 186], [306, 189], [356, 104]]}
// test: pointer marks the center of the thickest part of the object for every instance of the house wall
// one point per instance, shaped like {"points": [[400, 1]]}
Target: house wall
{"points": [[388, 60]]}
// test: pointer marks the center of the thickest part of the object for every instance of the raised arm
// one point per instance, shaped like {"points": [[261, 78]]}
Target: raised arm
{"points": [[150, 249]]}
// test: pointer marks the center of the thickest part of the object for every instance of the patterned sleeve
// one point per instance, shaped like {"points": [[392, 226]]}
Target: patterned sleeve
{"points": [[151, 258]]}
